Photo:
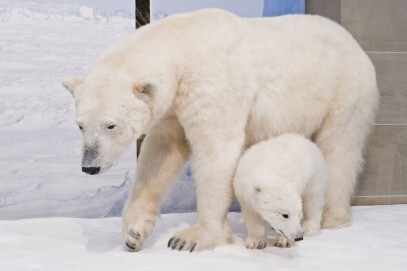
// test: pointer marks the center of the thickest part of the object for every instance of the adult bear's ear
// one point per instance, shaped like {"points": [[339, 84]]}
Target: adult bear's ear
{"points": [[71, 84], [144, 91]]}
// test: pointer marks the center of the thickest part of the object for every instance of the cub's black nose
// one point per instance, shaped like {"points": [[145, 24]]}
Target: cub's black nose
{"points": [[91, 170], [299, 239]]}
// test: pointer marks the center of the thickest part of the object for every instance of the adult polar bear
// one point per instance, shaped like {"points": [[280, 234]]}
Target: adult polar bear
{"points": [[211, 84]]}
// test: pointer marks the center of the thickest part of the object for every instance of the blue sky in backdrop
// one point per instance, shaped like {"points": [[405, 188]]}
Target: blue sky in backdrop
{"points": [[280, 7]]}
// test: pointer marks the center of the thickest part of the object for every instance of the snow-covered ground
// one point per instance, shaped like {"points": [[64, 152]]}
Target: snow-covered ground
{"points": [[40, 145], [376, 241]]}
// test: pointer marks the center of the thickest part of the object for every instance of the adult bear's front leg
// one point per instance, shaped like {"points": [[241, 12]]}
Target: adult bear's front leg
{"points": [[216, 132], [213, 172], [162, 158]]}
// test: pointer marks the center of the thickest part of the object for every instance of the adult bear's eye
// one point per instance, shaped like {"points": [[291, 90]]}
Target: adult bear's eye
{"points": [[80, 127], [111, 126], [285, 216]]}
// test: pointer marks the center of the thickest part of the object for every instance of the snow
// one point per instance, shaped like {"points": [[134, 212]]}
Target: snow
{"points": [[377, 240], [105, 8]]}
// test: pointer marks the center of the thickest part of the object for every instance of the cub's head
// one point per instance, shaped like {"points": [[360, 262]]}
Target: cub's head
{"points": [[279, 204], [110, 112]]}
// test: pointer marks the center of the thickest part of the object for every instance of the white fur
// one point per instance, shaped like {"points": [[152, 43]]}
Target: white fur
{"points": [[285, 175], [218, 84]]}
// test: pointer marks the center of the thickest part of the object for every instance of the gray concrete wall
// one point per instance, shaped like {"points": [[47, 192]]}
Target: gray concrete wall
{"points": [[381, 29]]}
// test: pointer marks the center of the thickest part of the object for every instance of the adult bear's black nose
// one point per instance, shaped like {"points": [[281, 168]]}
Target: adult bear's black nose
{"points": [[91, 170]]}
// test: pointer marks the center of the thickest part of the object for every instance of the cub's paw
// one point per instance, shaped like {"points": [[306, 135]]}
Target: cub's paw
{"points": [[310, 227], [282, 242], [256, 243], [198, 238]]}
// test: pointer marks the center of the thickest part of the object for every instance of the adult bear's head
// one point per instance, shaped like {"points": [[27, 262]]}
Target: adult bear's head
{"points": [[128, 89], [112, 108]]}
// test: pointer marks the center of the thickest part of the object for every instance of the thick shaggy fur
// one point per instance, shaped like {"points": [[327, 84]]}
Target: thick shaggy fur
{"points": [[281, 181], [211, 84]]}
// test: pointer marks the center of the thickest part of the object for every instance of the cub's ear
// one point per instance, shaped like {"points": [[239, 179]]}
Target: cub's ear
{"points": [[71, 84], [146, 90]]}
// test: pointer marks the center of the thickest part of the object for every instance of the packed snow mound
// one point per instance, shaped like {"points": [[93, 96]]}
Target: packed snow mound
{"points": [[31, 11]]}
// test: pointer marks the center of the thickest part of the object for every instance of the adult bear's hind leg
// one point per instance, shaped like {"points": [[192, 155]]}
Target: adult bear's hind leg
{"points": [[342, 140]]}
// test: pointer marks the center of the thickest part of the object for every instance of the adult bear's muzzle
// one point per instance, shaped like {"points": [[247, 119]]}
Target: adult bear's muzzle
{"points": [[88, 161]]}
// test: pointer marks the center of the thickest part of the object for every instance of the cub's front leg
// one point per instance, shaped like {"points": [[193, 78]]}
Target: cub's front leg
{"points": [[257, 236], [163, 155]]}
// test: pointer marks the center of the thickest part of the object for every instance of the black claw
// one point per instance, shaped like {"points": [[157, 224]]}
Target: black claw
{"points": [[135, 234], [175, 243], [193, 247], [131, 246], [170, 241], [182, 245]]}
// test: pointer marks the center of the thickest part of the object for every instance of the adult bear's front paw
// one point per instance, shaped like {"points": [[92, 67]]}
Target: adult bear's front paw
{"points": [[135, 230], [198, 238], [132, 239]]}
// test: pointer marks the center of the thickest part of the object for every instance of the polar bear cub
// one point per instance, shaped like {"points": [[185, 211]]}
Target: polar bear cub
{"points": [[281, 181]]}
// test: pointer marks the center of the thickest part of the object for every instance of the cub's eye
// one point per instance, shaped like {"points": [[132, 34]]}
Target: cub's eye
{"points": [[80, 127], [111, 126], [285, 216]]}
